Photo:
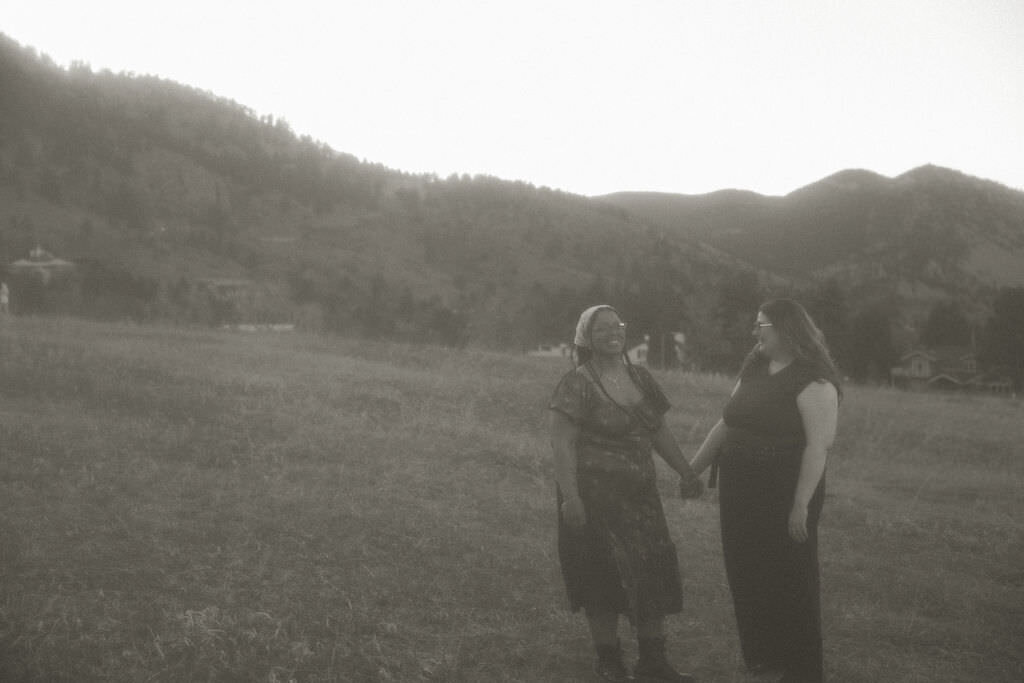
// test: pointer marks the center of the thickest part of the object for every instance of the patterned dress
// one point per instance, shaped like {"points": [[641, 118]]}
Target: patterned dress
{"points": [[622, 560], [774, 580]]}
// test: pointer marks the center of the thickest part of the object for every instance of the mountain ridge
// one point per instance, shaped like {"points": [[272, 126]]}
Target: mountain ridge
{"points": [[923, 221], [178, 186]]}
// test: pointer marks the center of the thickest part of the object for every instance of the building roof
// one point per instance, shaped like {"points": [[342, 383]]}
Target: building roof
{"points": [[40, 259], [941, 354]]}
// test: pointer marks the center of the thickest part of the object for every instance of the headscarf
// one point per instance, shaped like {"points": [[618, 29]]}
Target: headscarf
{"points": [[582, 339]]}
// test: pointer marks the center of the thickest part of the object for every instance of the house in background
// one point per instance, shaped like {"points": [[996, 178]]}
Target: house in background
{"points": [[550, 351], [42, 283], [638, 354], [40, 264], [950, 368]]}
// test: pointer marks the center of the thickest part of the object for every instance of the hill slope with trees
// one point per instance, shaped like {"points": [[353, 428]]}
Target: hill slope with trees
{"points": [[931, 229], [179, 205], [170, 194]]}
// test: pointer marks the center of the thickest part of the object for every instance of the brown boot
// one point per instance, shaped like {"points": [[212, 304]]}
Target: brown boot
{"points": [[652, 667]]}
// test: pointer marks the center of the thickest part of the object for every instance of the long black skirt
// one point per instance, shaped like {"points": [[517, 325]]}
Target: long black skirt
{"points": [[774, 580]]}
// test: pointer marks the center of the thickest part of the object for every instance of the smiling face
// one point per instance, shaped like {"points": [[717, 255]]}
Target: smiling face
{"points": [[608, 334]]}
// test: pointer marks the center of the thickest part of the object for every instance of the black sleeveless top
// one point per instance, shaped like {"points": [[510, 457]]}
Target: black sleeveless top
{"points": [[764, 406]]}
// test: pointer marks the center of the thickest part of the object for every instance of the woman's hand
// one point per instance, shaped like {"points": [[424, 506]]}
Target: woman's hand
{"points": [[573, 512], [691, 487], [798, 523]]}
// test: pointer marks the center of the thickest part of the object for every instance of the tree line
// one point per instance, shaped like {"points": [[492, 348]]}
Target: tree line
{"points": [[866, 340], [656, 296]]}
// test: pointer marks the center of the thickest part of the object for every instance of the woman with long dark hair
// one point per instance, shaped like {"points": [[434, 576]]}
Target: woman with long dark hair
{"points": [[607, 416], [770, 449]]}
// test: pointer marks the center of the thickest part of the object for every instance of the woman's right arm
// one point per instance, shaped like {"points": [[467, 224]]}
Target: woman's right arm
{"points": [[563, 443], [709, 449]]}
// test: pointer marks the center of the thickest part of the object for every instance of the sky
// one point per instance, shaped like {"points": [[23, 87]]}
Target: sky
{"points": [[590, 96]]}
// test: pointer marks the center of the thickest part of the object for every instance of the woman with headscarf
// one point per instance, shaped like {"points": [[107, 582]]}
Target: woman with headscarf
{"points": [[607, 416], [770, 449]]}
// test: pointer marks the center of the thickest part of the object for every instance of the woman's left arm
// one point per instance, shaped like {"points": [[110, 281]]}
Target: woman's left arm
{"points": [[667, 447], [818, 404]]}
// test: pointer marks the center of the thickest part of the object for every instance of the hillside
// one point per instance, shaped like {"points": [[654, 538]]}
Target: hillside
{"points": [[177, 186], [929, 233], [184, 207]]}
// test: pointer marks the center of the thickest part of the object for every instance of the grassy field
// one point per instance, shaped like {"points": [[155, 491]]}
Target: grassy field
{"points": [[207, 506]]}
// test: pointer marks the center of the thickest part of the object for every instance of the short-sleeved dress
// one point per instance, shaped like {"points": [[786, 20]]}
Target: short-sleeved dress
{"points": [[622, 561], [774, 580]]}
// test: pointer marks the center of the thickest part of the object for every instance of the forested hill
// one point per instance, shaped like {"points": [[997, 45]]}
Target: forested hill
{"points": [[931, 228], [179, 205], [162, 187]]}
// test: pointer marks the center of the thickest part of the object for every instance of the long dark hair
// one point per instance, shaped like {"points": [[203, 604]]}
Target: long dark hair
{"points": [[798, 332]]}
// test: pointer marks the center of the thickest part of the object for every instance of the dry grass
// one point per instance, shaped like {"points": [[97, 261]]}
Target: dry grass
{"points": [[187, 505]]}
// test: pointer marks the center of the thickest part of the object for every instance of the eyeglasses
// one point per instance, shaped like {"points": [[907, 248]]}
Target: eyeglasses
{"points": [[608, 329], [759, 324]]}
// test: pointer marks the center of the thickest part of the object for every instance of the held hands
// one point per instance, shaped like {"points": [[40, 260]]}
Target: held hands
{"points": [[691, 487]]}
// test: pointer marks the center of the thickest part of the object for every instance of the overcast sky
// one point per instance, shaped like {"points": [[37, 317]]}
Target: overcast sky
{"points": [[590, 96]]}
